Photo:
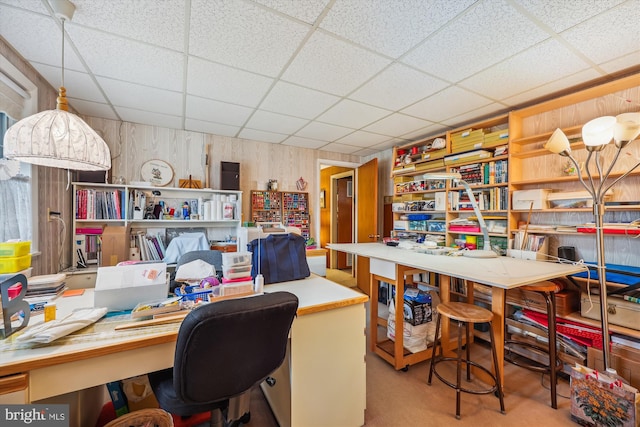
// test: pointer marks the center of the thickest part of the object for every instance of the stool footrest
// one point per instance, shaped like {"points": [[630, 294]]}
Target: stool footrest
{"points": [[492, 389], [527, 364]]}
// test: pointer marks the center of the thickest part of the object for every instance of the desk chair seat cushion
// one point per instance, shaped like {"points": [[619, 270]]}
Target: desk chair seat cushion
{"points": [[224, 349]]}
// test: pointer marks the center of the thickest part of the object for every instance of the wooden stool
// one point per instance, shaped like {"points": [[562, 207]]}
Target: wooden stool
{"points": [[465, 314], [548, 291]]}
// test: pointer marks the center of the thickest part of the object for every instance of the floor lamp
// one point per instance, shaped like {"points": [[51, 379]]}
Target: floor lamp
{"points": [[596, 135], [456, 178]]}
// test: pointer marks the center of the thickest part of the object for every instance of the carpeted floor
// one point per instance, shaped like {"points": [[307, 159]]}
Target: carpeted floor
{"points": [[343, 277]]}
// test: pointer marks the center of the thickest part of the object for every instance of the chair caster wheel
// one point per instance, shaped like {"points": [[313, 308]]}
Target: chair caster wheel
{"points": [[245, 418], [405, 369]]}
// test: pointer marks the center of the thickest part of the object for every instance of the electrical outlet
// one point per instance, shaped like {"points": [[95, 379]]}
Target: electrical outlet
{"points": [[48, 214]]}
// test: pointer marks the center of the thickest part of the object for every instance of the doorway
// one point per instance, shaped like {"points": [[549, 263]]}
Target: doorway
{"points": [[342, 216]]}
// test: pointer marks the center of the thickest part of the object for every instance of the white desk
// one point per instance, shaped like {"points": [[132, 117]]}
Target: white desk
{"points": [[390, 264], [326, 362]]}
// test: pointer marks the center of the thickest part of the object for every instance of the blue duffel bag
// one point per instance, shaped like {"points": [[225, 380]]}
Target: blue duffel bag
{"points": [[279, 258]]}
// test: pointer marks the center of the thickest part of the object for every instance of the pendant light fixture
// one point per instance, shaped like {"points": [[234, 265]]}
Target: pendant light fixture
{"points": [[58, 138]]}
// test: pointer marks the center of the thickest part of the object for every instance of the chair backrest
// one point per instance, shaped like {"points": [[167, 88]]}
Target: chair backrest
{"points": [[212, 257], [226, 348]]}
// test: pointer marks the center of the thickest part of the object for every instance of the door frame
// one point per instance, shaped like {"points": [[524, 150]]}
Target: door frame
{"points": [[332, 223]]}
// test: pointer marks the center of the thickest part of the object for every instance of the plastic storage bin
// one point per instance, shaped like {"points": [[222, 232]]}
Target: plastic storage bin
{"points": [[237, 271], [193, 293], [232, 259], [14, 249], [15, 264]]}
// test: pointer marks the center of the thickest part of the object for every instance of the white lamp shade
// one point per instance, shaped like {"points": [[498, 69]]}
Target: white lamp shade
{"points": [[57, 138], [598, 131], [627, 127], [558, 143]]}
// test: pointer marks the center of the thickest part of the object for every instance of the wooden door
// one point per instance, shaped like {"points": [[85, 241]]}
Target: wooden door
{"points": [[344, 217], [366, 216]]}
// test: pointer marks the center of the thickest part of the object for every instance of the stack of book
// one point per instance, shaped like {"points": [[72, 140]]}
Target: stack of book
{"points": [[468, 139], [41, 289]]}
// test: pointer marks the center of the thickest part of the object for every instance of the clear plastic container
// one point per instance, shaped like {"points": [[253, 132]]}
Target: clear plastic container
{"points": [[232, 259], [237, 271]]}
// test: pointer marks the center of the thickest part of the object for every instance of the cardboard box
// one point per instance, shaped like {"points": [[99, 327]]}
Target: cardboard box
{"points": [[123, 287], [115, 245], [567, 300], [626, 368], [522, 199]]}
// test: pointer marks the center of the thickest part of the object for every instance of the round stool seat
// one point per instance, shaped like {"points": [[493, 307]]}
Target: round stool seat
{"points": [[463, 312], [541, 287]]}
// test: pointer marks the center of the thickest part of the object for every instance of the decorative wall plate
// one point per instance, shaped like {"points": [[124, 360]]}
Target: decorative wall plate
{"points": [[157, 172]]}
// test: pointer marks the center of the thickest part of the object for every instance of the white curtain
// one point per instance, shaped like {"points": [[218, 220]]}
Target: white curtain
{"points": [[15, 209]]}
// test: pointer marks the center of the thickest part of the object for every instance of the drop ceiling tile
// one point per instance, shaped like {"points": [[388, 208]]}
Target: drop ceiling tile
{"points": [[389, 144], [560, 15], [215, 111], [130, 95], [222, 83], [621, 26], [622, 63], [306, 11], [79, 85], [390, 27], [366, 152], [361, 138], [212, 128], [340, 148], [123, 59], [273, 122], [352, 114], [160, 23], [93, 109], [397, 87], [298, 141], [298, 101], [397, 124], [149, 118], [425, 132], [243, 35], [466, 46], [446, 104], [553, 87], [491, 110], [323, 131], [33, 6], [331, 65], [37, 37], [262, 136], [552, 61]]}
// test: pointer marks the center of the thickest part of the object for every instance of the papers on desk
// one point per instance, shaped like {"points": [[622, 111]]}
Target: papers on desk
{"points": [[43, 333]]}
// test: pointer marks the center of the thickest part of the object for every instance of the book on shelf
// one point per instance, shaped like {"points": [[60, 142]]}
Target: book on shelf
{"points": [[632, 296]]}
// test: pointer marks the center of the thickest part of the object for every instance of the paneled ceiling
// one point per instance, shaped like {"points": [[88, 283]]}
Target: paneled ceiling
{"points": [[348, 76]]}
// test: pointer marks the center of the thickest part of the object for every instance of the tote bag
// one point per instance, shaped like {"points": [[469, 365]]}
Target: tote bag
{"points": [[279, 258]]}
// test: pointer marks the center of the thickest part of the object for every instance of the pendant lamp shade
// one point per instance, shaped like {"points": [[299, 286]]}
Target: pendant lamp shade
{"points": [[58, 138]]}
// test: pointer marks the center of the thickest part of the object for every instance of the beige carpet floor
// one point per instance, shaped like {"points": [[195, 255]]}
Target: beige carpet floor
{"points": [[397, 398]]}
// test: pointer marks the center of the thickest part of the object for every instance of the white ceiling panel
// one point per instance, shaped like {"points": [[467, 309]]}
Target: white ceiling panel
{"points": [[485, 34], [362, 138], [306, 11], [243, 35], [349, 76], [222, 83], [353, 114], [323, 131], [147, 117], [298, 141], [390, 27], [334, 66], [163, 20], [397, 87], [260, 135], [123, 59], [130, 95], [79, 85], [287, 98], [208, 127], [264, 120], [397, 124], [506, 79], [446, 104], [216, 111]]}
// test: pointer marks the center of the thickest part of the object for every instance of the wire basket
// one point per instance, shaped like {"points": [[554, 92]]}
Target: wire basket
{"points": [[190, 294]]}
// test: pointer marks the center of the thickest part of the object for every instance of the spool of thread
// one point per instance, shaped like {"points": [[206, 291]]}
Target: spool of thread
{"points": [[49, 312]]}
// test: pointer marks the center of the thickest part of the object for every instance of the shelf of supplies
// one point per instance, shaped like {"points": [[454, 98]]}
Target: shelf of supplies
{"points": [[544, 137], [543, 151], [480, 186], [476, 233], [419, 212], [565, 178], [576, 317]]}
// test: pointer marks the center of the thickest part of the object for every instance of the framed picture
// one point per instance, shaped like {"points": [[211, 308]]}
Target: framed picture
{"points": [[157, 172], [323, 203]]}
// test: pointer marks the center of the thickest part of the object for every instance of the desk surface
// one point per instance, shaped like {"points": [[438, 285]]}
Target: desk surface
{"points": [[315, 294], [501, 272]]}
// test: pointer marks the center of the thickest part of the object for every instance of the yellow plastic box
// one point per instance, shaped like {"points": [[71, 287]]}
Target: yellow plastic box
{"points": [[14, 249], [15, 264]]}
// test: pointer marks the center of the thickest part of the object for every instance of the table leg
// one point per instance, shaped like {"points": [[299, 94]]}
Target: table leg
{"points": [[498, 296]]}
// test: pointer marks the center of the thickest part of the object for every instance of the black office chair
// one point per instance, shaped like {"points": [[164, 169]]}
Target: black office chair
{"points": [[212, 257], [223, 350]]}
